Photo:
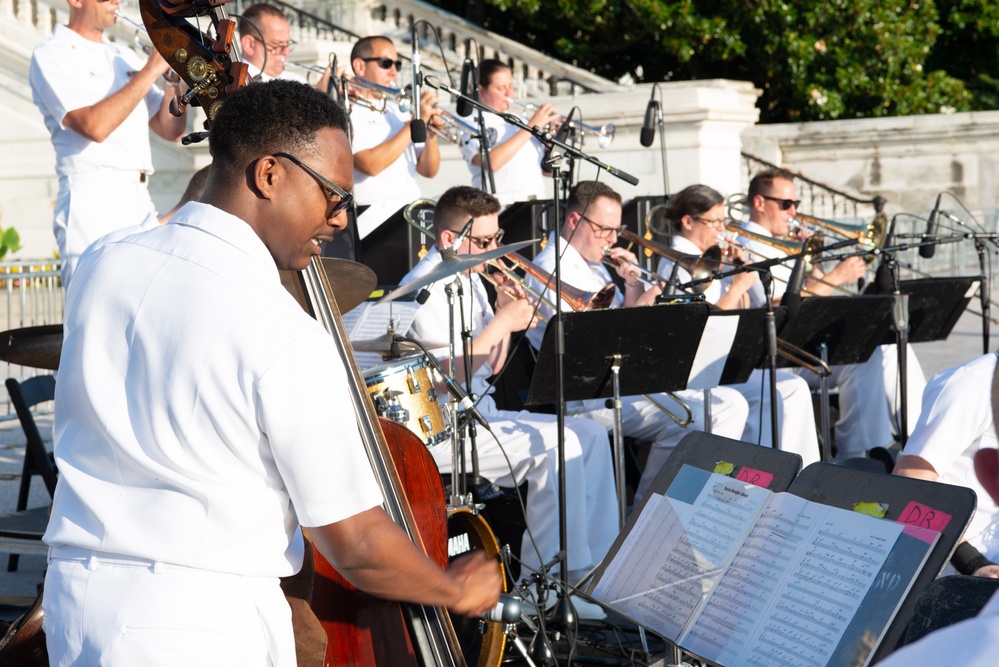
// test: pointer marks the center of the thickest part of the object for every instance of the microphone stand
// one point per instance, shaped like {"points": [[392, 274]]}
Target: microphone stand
{"points": [[661, 126], [466, 351]]}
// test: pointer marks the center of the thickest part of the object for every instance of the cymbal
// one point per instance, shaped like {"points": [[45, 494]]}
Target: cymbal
{"points": [[383, 345], [450, 267], [352, 283], [38, 347]]}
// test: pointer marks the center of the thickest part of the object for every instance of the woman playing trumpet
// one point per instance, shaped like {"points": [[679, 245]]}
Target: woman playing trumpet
{"points": [[386, 161], [516, 157], [697, 215]]}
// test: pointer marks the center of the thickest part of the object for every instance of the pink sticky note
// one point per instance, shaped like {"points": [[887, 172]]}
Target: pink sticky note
{"points": [[755, 477], [918, 515]]}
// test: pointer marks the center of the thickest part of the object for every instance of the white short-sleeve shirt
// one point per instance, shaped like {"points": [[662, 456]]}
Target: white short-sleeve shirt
{"points": [[519, 179], [69, 72], [195, 402], [398, 180]]}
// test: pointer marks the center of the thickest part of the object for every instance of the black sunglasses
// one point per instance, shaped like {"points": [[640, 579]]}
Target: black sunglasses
{"points": [[485, 241], [330, 189], [385, 63], [784, 204]]}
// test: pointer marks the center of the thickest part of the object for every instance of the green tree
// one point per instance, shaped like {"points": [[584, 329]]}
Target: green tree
{"points": [[811, 60]]}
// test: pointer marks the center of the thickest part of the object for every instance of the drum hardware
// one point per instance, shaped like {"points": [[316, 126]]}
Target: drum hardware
{"points": [[403, 392], [382, 95], [604, 133]]}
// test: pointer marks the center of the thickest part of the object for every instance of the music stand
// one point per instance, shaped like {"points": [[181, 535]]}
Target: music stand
{"points": [[748, 349], [935, 306], [907, 501], [621, 352]]}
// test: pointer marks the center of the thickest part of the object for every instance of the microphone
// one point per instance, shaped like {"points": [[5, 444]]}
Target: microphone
{"points": [[463, 107], [452, 251], [507, 610], [417, 128], [648, 132], [927, 251], [792, 296], [561, 136]]}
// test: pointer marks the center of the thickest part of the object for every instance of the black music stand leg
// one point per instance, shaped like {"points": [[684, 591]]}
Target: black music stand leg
{"points": [[900, 323], [615, 405], [984, 294], [824, 417], [772, 373]]}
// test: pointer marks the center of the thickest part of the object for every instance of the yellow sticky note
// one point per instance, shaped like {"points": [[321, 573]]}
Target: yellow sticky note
{"points": [[723, 468], [871, 509]]}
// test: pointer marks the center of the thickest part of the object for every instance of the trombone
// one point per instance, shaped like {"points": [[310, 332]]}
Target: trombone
{"points": [[604, 133], [700, 267], [382, 95]]}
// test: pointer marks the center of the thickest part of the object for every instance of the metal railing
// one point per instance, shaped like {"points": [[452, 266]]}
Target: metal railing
{"points": [[32, 296]]}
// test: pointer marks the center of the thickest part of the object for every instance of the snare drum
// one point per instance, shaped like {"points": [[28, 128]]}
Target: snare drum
{"points": [[403, 392]]}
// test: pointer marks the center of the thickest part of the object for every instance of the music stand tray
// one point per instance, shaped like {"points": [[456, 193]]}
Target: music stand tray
{"points": [[657, 345], [850, 327], [935, 306]]}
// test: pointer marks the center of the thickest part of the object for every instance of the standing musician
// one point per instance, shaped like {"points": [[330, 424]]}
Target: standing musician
{"points": [[516, 157], [592, 221], [867, 391], [527, 441], [697, 216], [191, 452], [99, 101], [386, 161]]}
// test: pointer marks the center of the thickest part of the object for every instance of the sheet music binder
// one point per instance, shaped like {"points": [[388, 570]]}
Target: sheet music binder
{"points": [[799, 618]]}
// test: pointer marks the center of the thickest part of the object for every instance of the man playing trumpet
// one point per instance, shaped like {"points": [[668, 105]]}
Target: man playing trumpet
{"points": [[592, 223], [386, 160]]}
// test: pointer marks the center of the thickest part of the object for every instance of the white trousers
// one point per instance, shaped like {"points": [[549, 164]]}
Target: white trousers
{"points": [[91, 205], [795, 414], [643, 420], [530, 442], [108, 610], [869, 400]]}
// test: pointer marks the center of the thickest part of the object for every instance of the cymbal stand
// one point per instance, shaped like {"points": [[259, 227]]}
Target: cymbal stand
{"points": [[466, 354]]}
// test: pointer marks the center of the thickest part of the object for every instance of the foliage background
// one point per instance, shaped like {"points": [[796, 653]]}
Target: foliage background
{"points": [[813, 59]]}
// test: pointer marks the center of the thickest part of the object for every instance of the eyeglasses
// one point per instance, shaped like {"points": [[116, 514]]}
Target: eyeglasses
{"points": [[603, 231], [385, 63], [330, 190], [711, 222], [485, 241], [784, 204], [274, 49]]}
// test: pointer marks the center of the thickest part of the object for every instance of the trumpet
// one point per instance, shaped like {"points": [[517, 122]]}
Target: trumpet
{"points": [[604, 133], [139, 28], [454, 127], [382, 95]]}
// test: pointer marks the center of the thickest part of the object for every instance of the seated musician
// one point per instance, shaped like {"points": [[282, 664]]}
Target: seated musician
{"points": [[592, 220], [868, 392], [526, 441], [191, 443], [697, 216], [956, 422]]}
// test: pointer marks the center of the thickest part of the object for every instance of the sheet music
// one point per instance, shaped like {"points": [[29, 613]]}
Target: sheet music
{"points": [[371, 320], [712, 352], [678, 548]]}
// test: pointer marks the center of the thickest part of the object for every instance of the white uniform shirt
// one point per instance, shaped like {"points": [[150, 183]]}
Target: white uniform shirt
{"points": [[287, 75], [69, 72], [576, 272], [761, 251], [432, 321], [520, 178], [192, 426], [398, 180], [716, 288], [955, 422]]}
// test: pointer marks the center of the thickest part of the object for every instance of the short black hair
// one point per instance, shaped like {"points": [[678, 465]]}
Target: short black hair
{"points": [[460, 203], [693, 200], [265, 118], [763, 182], [365, 46]]}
